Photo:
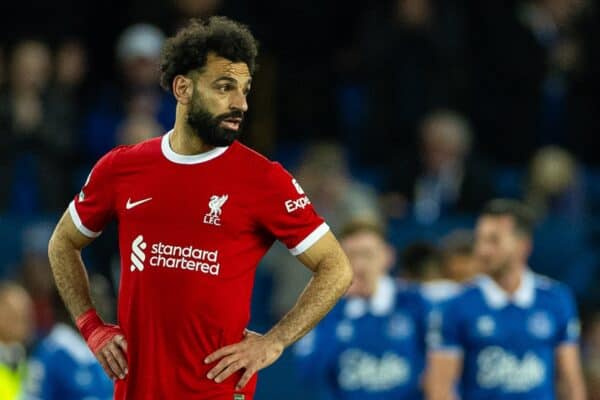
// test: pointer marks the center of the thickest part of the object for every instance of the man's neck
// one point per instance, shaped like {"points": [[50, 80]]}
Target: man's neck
{"points": [[510, 280], [183, 140]]}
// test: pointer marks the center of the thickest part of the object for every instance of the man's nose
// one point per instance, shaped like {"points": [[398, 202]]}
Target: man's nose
{"points": [[239, 102]]}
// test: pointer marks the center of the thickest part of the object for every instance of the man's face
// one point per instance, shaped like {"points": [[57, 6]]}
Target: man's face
{"points": [[498, 245], [461, 267], [442, 145], [370, 257], [16, 316], [218, 101]]}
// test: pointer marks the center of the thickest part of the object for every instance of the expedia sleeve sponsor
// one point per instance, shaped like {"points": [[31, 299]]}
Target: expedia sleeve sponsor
{"points": [[285, 210], [298, 204]]}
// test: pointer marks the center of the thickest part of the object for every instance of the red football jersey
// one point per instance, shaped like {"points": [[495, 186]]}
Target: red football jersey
{"points": [[192, 230]]}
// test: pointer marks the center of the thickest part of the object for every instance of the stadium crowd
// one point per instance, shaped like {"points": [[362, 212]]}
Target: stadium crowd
{"points": [[408, 114]]}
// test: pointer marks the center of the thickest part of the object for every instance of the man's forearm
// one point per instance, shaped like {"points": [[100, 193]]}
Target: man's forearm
{"points": [[70, 275], [573, 390], [330, 281]]}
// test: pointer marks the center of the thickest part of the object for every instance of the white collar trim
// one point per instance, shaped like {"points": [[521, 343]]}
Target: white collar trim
{"points": [[497, 298], [188, 159], [380, 304]]}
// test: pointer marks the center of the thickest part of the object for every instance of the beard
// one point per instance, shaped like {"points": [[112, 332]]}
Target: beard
{"points": [[500, 268], [208, 126]]}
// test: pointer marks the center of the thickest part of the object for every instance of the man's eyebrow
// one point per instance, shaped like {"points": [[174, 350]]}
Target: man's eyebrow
{"points": [[226, 78], [232, 80]]}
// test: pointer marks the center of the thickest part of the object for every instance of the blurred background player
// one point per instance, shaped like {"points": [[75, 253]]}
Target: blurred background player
{"points": [[63, 367], [371, 346], [508, 334], [16, 332], [457, 256], [422, 263]]}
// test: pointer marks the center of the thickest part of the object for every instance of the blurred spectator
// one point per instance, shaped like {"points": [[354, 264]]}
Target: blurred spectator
{"points": [[16, 329], [324, 176], [138, 50], [37, 275], [554, 186], [137, 128], [457, 256], [71, 65], [591, 355], [37, 124], [372, 344], [443, 178], [63, 367]]}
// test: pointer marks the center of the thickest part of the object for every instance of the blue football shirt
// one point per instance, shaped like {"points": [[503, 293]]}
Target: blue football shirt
{"points": [[62, 367], [508, 343], [369, 349]]}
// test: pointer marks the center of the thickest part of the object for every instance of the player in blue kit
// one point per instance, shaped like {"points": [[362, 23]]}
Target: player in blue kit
{"points": [[511, 334], [63, 367], [372, 344]]}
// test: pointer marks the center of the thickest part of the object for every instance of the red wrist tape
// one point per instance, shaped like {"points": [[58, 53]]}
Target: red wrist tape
{"points": [[95, 332]]}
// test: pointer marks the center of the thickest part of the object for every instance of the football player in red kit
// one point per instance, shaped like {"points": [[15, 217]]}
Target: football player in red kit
{"points": [[196, 211]]}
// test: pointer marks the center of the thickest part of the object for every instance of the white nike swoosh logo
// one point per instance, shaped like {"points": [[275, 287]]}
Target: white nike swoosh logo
{"points": [[130, 205]]}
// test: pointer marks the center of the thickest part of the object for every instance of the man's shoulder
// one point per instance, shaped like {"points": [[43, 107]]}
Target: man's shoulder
{"points": [[551, 290], [469, 298], [257, 162], [126, 155]]}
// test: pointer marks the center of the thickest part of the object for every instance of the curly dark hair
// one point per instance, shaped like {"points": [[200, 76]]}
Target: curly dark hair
{"points": [[187, 50]]}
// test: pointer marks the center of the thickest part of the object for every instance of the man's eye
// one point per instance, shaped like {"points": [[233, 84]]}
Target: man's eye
{"points": [[224, 88]]}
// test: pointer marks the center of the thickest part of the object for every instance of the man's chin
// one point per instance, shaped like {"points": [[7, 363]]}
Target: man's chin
{"points": [[221, 142], [224, 138]]}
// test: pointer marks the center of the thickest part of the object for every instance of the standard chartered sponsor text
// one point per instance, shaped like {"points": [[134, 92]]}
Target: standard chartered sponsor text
{"points": [[186, 258]]}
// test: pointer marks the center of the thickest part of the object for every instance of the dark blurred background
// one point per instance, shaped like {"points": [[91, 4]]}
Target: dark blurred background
{"points": [[412, 112]]}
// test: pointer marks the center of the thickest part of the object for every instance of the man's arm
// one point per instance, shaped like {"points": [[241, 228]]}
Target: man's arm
{"points": [[570, 375], [332, 277], [64, 252], [443, 370]]}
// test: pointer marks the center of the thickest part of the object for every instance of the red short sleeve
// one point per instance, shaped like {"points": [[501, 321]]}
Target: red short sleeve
{"points": [[286, 212], [93, 207]]}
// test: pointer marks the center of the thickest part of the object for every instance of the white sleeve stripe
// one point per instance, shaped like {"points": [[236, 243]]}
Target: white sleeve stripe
{"points": [[77, 221], [311, 239]]}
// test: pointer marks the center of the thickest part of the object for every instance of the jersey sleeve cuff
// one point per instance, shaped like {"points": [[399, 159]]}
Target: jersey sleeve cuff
{"points": [[311, 239], [77, 221]]}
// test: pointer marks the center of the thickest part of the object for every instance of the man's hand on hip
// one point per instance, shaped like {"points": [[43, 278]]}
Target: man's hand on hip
{"points": [[106, 341], [252, 354]]}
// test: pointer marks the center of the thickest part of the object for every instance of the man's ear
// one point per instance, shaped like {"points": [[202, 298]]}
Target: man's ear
{"points": [[183, 88]]}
